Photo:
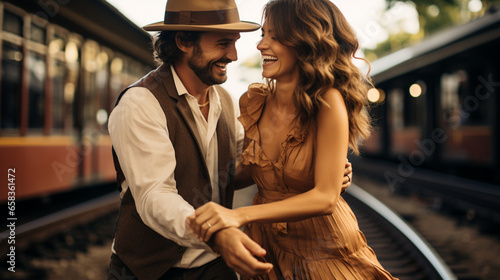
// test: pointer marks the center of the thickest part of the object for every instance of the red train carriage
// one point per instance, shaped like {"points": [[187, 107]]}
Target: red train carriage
{"points": [[436, 105], [63, 65]]}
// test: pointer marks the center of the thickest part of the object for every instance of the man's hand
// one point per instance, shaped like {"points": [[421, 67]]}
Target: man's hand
{"points": [[212, 217], [346, 182], [240, 252]]}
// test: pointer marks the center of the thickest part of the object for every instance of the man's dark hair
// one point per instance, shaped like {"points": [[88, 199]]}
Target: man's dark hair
{"points": [[165, 48]]}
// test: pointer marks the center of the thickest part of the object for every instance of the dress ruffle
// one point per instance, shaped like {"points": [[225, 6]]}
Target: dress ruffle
{"points": [[252, 104], [251, 107]]}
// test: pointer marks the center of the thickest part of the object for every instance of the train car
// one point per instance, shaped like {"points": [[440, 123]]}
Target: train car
{"points": [[436, 117], [63, 65]]}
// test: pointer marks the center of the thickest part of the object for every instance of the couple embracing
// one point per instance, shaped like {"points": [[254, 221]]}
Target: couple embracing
{"points": [[180, 150]]}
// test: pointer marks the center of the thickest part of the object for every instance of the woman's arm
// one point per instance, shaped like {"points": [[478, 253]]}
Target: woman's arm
{"points": [[332, 144]]}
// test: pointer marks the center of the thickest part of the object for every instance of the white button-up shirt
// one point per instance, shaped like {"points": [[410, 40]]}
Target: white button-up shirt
{"points": [[140, 137]]}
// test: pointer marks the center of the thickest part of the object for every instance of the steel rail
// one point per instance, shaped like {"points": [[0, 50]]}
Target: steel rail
{"points": [[404, 228], [79, 214]]}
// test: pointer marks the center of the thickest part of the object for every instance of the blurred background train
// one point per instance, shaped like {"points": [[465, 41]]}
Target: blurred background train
{"points": [[436, 123], [437, 119], [61, 72]]}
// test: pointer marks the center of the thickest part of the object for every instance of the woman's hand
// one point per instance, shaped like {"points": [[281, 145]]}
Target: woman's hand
{"points": [[212, 217], [347, 180]]}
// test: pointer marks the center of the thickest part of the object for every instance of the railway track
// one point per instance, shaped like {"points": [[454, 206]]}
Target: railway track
{"points": [[399, 248], [44, 227], [60, 235], [454, 193]]}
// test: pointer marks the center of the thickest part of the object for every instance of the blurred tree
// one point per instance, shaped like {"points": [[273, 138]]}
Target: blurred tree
{"points": [[433, 15]]}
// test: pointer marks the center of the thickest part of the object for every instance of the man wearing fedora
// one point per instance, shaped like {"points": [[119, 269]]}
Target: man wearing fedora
{"points": [[175, 139]]}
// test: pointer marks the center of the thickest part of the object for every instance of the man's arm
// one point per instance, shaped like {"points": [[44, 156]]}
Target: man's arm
{"points": [[138, 130]]}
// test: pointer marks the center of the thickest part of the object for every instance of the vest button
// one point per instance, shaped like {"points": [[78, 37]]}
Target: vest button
{"points": [[180, 250]]}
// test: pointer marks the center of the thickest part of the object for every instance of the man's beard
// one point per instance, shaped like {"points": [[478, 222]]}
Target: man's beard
{"points": [[204, 69]]}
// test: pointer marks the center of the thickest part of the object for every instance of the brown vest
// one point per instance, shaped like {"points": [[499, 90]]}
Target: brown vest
{"points": [[147, 253]]}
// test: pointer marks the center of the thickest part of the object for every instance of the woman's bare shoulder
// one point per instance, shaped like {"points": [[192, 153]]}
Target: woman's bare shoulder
{"points": [[332, 96]]}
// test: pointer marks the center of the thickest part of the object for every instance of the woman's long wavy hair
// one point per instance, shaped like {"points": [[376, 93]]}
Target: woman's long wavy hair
{"points": [[325, 45]]}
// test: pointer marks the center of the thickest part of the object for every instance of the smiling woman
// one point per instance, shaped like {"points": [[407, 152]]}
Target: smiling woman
{"points": [[277, 59]]}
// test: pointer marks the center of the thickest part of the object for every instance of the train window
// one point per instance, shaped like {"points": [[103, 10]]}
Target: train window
{"points": [[57, 44], [406, 118], [72, 78], [12, 57], [374, 144], [56, 50], [116, 83], [37, 34], [415, 109], [58, 95], [396, 102], [37, 73], [12, 23], [90, 51], [103, 78], [466, 118], [102, 70], [451, 85]]}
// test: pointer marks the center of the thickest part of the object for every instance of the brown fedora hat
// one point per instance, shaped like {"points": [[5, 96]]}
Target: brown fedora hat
{"points": [[202, 15]]}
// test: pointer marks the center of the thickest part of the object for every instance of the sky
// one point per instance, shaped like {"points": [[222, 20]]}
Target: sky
{"points": [[363, 15]]}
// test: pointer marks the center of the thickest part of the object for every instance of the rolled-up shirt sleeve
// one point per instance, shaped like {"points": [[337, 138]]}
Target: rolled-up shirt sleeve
{"points": [[138, 130]]}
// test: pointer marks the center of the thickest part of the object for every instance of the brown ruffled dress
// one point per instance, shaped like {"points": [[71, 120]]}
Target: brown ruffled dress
{"points": [[322, 247]]}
